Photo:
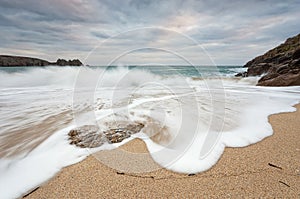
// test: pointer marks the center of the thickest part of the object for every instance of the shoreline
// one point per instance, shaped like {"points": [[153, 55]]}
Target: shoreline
{"points": [[269, 168]]}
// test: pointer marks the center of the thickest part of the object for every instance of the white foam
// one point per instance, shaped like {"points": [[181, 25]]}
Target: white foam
{"points": [[19, 175], [231, 112], [245, 123]]}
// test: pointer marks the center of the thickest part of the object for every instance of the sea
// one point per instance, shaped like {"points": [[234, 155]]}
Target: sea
{"points": [[190, 114]]}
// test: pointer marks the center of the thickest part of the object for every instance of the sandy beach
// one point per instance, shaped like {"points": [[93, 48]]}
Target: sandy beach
{"points": [[269, 168]]}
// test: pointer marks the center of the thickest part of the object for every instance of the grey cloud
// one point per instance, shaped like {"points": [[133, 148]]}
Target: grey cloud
{"points": [[76, 26], [72, 10], [100, 35]]}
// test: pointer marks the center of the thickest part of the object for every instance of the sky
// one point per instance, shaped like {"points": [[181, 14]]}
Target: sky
{"points": [[102, 32]]}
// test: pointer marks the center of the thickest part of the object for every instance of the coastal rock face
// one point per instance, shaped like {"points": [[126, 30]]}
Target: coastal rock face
{"points": [[62, 62], [279, 66], [7, 60], [90, 136]]}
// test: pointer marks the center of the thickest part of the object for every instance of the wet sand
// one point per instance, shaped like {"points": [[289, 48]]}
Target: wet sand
{"points": [[270, 168]]}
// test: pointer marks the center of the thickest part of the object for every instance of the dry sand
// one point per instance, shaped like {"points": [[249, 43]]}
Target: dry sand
{"points": [[241, 172]]}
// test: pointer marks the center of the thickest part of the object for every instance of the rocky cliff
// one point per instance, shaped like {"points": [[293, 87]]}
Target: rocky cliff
{"points": [[7, 60], [279, 66], [62, 62]]}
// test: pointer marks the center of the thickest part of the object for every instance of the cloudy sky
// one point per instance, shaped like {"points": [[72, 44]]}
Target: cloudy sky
{"points": [[226, 32]]}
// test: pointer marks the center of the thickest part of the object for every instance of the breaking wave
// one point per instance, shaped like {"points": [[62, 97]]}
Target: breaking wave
{"points": [[199, 114]]}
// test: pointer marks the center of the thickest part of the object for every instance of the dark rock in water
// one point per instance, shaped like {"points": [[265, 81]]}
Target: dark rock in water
{"points": [[116, 135], [91, 136], [62, 62], [7, 60], [279, 66], [88, 136], [119, 134], [243, 74]]}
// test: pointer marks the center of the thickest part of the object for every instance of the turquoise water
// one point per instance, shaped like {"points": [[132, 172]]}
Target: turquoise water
{"points": [[192, 71], [189, 71]]}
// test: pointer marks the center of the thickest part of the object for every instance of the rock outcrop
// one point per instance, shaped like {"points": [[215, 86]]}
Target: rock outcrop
{"points": [[279, 66], [90, 136], [7, 60], [62, 62]]}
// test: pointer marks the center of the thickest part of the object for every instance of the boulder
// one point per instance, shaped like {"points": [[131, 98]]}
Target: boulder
{"points": [[287, 79], [90, 136]]}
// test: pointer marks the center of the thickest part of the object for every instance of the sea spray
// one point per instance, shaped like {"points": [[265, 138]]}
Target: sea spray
{"points": [[38, 106]]}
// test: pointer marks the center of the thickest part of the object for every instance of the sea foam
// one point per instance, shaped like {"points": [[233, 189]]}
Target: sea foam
{"points": [[199, 116]]}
